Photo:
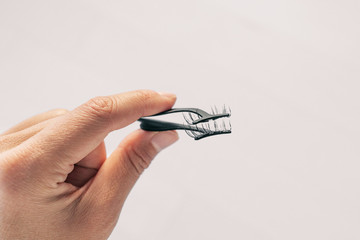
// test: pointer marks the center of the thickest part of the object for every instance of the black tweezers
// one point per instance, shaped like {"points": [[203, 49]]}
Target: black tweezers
{"points": [[198, 122]]}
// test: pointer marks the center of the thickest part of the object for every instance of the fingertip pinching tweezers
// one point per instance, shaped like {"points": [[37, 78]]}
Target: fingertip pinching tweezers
{"points": [[199, 123]]}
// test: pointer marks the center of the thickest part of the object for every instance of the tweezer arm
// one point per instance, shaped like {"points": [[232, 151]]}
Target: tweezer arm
{"points": [[203, 116], [157, 125], [197, 111]]}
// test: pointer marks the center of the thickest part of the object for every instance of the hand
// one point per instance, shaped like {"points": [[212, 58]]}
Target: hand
{"points": [[55, 179]]}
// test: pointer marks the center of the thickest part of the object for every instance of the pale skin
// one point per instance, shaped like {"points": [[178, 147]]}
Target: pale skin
{"points": [[56, 181]]}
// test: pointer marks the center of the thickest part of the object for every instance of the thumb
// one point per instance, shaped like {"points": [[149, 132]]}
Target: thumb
{"points": [[119, 173]]}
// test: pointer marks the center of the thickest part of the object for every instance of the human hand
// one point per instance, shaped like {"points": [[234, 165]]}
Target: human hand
{"points": [[55, 179]]}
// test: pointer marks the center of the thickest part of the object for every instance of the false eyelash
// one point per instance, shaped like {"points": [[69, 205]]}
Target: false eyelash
{"points": [[224, 110], [200, 124], [210, 128], [193, 118]]}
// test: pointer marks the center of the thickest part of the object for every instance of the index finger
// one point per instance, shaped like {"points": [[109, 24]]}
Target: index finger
{"points": [[74, 135]]}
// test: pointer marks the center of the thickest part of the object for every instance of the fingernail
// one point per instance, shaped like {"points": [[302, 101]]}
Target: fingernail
{"points": [[166, 94], [164, 139]]}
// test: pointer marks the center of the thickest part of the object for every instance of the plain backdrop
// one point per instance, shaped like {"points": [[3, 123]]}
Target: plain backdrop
{"points": [[289, 70]]}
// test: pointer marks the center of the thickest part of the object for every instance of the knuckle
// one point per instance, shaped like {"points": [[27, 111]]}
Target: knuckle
{"points": [[7, 169], [101, 107], [5, 143], [144, 95], [11, 171], [142, 98], [59, 111], [139, 159]]}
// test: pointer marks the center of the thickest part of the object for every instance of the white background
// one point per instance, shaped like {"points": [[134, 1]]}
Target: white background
{"points": [[288, 69]]}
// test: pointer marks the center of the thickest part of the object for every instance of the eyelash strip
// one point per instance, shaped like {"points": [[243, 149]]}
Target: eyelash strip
{"points": [[199, 123]]}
